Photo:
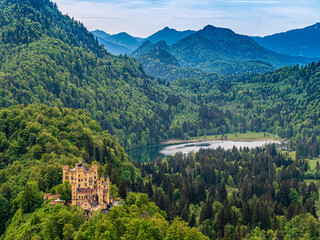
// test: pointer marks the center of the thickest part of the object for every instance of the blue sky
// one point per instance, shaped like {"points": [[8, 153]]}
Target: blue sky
{"points": [[142, 18]]}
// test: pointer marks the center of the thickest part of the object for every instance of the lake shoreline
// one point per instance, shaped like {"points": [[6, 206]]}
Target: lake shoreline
{"points": [[177, 141]]}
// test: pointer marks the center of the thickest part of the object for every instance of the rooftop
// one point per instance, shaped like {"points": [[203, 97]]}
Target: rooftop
{"points": [[80, 165]]}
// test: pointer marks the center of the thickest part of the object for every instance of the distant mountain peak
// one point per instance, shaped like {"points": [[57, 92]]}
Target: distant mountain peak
{"points": [[170, 35], [123, 34], [314, 26], [210, 28]]}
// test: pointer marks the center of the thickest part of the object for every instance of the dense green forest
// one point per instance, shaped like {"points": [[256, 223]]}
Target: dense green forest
{"points": [[35, 142], [49, 58], [284, 102], [236, 194], [138, 219]]}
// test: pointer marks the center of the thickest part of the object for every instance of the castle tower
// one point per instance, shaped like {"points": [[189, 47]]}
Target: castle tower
{"points": [[95, 174], [65, 174], [108, 190], [79, 176], [100, 195], [74, 193]]}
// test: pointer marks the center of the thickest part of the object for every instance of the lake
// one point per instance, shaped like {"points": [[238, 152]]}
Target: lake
{"points": [[151, 153]]}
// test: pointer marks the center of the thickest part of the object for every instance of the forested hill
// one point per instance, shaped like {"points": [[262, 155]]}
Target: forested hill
{"points": [[40, 64], [26, 21], [48, 58], [159, 62], [35, 141]]}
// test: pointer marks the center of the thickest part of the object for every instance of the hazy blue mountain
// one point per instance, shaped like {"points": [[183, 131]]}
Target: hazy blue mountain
{"points": [[218, 50], [169, 35], [101, 34], [114, 48], [124, 39], [298, 42], [121, 43]]}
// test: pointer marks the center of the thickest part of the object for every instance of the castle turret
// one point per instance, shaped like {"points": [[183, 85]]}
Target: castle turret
{"points": [[95, 174], [74, 193], [65, 172], [100, 195]]}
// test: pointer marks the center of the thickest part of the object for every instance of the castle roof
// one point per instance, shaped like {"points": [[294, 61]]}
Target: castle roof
{"points": [[86, 190], [80, 165]]}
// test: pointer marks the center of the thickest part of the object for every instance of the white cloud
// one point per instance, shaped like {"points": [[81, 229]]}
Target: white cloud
{"points": [[144, 17], [255, 2]]}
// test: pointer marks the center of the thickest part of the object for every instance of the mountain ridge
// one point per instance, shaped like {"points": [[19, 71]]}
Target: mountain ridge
{"points": [[220, 50], [300, 42]]}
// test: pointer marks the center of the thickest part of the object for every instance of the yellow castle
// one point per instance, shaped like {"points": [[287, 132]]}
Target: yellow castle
{"points": [[88, 191]]}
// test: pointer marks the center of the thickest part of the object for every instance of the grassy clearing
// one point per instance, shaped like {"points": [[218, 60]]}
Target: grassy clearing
{"points": [[311, 180], [241, 136], [313, 162], [292, 154]]}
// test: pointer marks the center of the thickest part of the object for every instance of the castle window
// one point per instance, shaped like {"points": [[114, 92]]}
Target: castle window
{"points": [[72, 178], [79, 185], [85, 184], [94, 177], [78, 180]]}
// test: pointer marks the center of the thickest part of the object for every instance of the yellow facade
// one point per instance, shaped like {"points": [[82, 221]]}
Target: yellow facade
{"points": [[88, 191]]}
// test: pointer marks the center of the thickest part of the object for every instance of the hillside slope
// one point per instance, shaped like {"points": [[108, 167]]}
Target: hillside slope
{"points": [[48, 58]]}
